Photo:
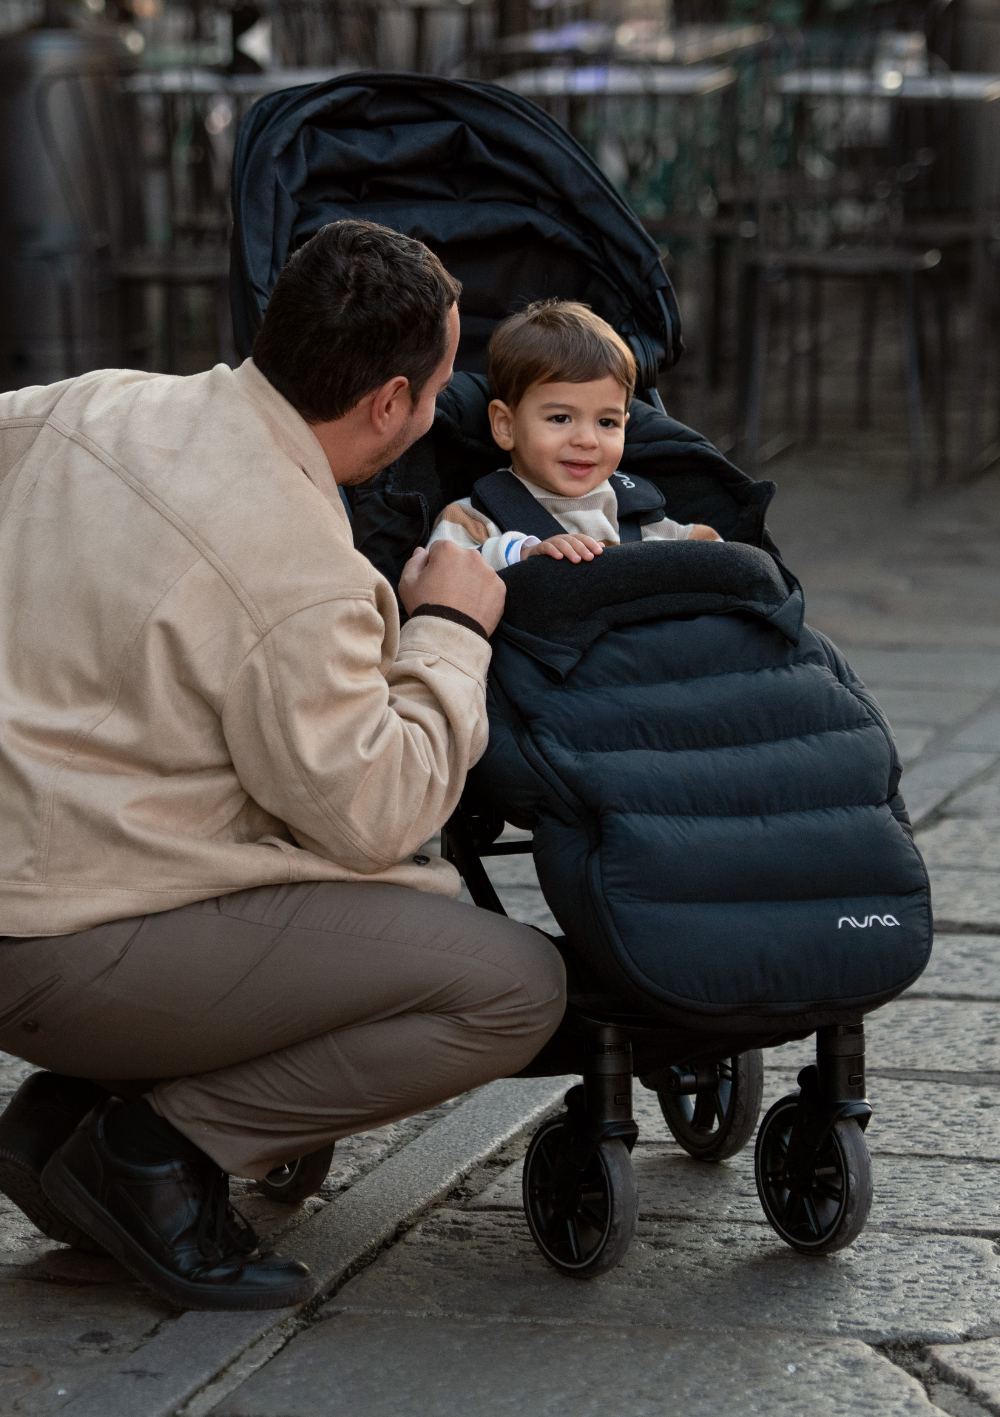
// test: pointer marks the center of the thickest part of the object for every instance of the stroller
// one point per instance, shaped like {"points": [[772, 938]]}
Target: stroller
{"points": [[679, 974]]}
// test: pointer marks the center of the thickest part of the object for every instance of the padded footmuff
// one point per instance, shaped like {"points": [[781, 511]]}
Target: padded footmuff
{"points": [[713, 792]]}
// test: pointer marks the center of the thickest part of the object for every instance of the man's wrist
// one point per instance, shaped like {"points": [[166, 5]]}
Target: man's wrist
{"points": [[448, 612]]}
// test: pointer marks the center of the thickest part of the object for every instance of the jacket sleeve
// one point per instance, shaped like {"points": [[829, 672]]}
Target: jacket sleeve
{"points": [[466, 527], [361, 758]]}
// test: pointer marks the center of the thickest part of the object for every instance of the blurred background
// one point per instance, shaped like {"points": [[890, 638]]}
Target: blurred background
{"points": [[822, 178]]}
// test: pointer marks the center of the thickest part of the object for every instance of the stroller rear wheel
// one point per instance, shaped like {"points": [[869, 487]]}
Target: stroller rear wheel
{"points": [[717, 1116], [294, 1181], [824, 1207], [581, 1218]]}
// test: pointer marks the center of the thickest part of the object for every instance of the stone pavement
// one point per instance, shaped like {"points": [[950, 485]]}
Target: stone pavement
{"points": [[437, 1301]]}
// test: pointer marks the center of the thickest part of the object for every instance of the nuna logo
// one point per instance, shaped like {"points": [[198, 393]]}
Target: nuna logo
{"points": [[865, 921]]}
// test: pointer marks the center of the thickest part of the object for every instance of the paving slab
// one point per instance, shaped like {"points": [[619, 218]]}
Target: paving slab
{"points": [[980, 800], [961, 845], [353, 1363], [965, 898], [911, 740], [982, 732], [933, 780], [928, 1035], [63, 1318], [935, 707], [885, 667], [911, 1193], [898, 1286], [974, 1365], [961, 966]]}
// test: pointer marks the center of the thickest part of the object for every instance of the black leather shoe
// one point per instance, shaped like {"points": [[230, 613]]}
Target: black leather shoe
{"points": [[169, 1224], [40, 1116]]}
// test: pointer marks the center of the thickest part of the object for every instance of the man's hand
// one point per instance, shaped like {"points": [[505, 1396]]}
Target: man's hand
{"points": [[700, 532], [450, 575], [568, 546]]}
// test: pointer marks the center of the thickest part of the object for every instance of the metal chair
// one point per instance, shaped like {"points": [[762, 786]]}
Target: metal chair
{"points": [[829, 207], [175, 136]]}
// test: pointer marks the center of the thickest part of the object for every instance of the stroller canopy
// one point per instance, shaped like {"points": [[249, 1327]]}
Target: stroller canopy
{"points": [[514, 207]]}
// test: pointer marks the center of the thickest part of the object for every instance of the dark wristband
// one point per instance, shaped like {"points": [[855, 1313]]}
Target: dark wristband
{"points": [[448, 612]]}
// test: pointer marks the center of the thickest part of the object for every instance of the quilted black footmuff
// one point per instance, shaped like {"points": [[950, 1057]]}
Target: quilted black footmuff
{"points": [[713, 794]]}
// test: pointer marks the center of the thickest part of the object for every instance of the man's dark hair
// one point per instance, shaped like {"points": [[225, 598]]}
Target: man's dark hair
{"points": [[356, 305]]}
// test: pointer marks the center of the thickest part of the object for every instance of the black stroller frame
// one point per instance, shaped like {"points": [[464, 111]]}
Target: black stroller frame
{"points": [[812, 1168]]}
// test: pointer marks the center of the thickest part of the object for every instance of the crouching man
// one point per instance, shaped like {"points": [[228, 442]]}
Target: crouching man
{"points": [[219, 758]]}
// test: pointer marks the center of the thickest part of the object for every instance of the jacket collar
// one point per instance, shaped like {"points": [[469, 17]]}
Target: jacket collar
{"points": [[289, 429]]}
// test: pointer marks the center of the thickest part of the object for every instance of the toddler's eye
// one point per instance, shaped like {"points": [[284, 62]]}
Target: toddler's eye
{"points": [[558, 417], [610, 423]]}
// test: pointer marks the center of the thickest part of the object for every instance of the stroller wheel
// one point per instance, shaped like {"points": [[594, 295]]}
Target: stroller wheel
{"points": [[825, 1209], [296, 1180], [718, 1118], [584, 1222]]}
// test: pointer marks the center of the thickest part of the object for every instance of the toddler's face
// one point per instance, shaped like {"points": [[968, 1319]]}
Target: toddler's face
{"points": [[564, 437]]}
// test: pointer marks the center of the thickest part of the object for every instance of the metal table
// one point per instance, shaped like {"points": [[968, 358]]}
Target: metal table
{"points": [[894, 86], [636, 41]]}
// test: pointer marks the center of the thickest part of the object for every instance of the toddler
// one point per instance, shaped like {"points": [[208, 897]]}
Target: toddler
{"points": [[562, 380]]}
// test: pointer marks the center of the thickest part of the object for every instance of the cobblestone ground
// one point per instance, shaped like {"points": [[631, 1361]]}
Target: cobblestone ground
{"points": [[708, 1313]]}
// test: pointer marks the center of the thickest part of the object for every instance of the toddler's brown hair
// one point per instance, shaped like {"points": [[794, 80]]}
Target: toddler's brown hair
{"points": [[555, 341]]}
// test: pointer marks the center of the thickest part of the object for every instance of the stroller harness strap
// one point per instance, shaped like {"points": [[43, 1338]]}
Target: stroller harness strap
{"points": [[508, 503]]}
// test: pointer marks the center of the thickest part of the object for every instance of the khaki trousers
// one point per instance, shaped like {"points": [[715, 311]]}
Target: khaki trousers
{"points": [[278, 1019]]}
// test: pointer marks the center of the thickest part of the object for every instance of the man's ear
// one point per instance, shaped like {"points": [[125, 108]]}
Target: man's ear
{"points": [[389, 401], [501, 424]]}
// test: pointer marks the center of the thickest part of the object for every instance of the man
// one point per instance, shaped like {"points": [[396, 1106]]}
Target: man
{"points": [[219, 758]]}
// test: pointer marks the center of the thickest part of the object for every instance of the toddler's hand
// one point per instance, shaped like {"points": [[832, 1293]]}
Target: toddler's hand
{"points": [[700, 532], [568, 546]]}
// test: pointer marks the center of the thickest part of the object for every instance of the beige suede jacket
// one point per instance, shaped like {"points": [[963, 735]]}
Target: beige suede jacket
{"points": [[203, 686]]}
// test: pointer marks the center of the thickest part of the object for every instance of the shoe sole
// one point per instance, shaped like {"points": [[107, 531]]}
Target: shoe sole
{"points": [[20, 1182], [65, 1192]]}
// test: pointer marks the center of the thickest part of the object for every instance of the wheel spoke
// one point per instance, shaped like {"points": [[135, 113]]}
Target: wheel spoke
{"points": [[812, 1219], [704, 1111], [592, 1217], [573, 1238], [791, 1201], [543, 1157]]}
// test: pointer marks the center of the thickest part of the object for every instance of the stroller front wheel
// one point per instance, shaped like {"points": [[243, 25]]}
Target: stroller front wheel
{"points": [[826, 1208], [294, 1181], [582, 1219], [718, 1117]]}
